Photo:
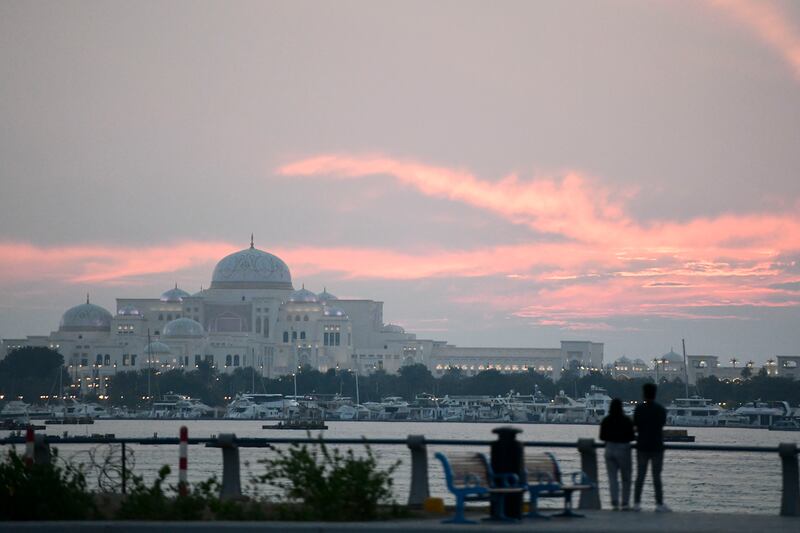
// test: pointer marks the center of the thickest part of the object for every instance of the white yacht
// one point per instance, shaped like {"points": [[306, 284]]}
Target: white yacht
{"points": [[179, 406], [41, 411], [764, 414], [425, 408], [564, 410], [15, 412], [474, 409], [394, 408], [72, 409], [261, 407], [527, 407], [730, 419], [693, 411], [597, 402], [351, 412], [451, 410], [493, 410]]}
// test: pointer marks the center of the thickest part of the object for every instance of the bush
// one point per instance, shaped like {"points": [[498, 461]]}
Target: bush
{"points": [[153, 503], [43, 491], [162, 502], [329, 485]]}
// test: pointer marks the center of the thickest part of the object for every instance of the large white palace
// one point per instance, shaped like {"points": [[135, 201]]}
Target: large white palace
{"points": [[251, 316]]}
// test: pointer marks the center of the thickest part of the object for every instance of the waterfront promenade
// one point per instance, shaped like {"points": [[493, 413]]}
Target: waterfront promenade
{"points": [[595, 522]]}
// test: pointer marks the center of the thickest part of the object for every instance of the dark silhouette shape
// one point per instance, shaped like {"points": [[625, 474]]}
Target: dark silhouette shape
{"points": [[616, 430], [649, 419]]}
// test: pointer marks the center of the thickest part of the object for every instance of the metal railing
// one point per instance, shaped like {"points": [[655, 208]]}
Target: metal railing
{"points": [[38, 450]]}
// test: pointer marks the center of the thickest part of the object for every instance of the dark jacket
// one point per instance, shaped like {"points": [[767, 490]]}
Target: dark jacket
{"points": [[649, 419], [616, 429]]}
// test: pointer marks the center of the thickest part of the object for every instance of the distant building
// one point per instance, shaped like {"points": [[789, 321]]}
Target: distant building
{"points": [[670, 366], [626, 368], [788, 366], [251, 316]]}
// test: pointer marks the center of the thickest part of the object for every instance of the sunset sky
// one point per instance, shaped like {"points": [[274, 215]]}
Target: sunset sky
{"points": [[498, 173]]}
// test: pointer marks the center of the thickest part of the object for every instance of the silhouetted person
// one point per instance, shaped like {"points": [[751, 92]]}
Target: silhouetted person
{"points": [[616, 430], [649, 419]]}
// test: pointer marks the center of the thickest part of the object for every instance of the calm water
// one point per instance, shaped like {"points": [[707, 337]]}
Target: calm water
{"points": [[693, 481]]}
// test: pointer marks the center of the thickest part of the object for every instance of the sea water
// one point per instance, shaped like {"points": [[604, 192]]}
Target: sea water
{"points": [[693, 480]]}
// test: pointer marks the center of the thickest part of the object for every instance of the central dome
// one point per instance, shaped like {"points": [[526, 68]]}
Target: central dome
{"points": [[85, 317], [251, 269]]}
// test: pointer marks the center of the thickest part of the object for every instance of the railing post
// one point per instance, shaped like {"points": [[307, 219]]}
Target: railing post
{"points": [[790, 495], [590, 499], [41, 451], [29, 445], [419, 471], [183, 448], [124, 473], [231, 480]]}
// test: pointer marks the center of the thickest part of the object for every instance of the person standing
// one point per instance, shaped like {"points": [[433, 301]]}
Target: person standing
{"points": [[616, 430], [649, 418]]}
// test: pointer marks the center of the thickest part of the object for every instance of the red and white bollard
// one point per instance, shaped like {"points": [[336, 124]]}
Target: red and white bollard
{"points": [[29, 445], [182, 461]]}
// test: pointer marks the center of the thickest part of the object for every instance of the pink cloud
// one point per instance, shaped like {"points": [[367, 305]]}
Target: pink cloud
{"points": [[573, 206], [567, 206], [607, 264], [770, 24], [601, 263], [95, 263]]}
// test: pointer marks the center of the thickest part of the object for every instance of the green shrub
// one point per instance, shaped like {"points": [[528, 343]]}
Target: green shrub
{"points": [[157, 503], [162, 502], [320, 484], [42, 491]]}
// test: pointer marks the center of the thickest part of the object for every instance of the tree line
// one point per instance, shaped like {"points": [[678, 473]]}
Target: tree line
{"points": [[34, 372]]}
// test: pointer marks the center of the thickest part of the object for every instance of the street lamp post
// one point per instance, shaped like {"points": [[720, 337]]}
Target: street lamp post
{"points": [[358, 399]]}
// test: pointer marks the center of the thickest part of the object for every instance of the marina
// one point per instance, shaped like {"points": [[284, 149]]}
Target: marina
{"points": [[521, 409]]}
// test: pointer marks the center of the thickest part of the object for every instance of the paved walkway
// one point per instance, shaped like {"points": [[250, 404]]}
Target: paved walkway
{"points": [[596, 522]]}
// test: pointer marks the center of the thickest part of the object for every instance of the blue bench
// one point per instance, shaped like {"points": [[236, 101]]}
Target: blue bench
{"points": [[543, 479], [469, 477]]}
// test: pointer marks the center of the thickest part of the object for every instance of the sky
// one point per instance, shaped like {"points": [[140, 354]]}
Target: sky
{"points": [[498, 173]]}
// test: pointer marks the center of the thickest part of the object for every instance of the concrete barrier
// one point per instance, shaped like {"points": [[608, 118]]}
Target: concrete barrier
{"points": [[790, 494], [231, 472], [590, 499], [420, 490]]}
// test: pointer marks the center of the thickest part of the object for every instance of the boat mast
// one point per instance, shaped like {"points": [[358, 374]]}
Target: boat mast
{"points": [[149, 365], [685, 368]]}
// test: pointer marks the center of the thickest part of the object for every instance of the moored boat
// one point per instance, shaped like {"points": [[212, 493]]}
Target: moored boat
{"points": [[693, 411]]}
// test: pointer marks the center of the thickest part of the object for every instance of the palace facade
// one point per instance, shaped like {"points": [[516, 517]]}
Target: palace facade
{"points": [[251, 316]]}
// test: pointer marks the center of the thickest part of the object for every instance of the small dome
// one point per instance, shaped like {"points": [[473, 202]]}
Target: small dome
{"points": [[393, 328], [302, 296], [156, 348], [183, 327], [251, 269], [639, 362], [175, 295], [332, 311], [672, 357], [623, 361], [129, 310], [86, 317], [325, 296]]}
